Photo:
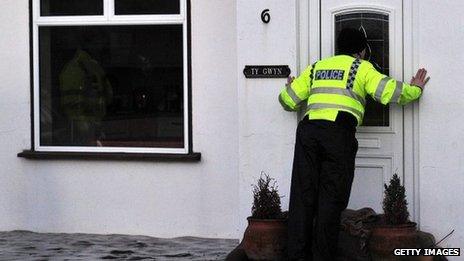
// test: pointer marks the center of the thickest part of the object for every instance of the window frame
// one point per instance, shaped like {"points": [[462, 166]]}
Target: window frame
{"points": [[109, 18]]}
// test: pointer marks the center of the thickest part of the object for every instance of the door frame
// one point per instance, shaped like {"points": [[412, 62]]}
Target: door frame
{"points": [[308, 25]]}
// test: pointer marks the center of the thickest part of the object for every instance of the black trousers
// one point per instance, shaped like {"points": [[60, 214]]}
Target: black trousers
{"points": [[323, 171]]}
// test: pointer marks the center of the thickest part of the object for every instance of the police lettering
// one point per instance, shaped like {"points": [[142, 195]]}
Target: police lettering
{"points": [[329, 74]]}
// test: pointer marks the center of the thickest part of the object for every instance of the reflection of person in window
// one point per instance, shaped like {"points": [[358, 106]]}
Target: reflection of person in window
{"points": [[85, 93]]}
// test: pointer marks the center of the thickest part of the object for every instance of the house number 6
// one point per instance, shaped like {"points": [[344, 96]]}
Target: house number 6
{"points": [[265, 16]]}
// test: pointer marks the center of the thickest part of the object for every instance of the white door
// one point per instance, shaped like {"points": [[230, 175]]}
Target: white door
{"points": [[380, 153]]}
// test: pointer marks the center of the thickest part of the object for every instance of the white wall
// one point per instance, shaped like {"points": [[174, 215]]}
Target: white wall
{"points": [[150, 198], [267, 132], [439, 39]]}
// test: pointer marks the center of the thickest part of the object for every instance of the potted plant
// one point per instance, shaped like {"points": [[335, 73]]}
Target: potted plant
{"points": [[394, 229], [266, 235]]}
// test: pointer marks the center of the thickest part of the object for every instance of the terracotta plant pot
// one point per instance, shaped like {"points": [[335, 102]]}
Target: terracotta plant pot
{"points": [[265, 239], [385, 238]]}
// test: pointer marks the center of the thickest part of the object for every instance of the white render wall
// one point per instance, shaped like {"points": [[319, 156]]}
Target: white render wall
{"points": [[149, 198], [267, 132], [439, 39]]}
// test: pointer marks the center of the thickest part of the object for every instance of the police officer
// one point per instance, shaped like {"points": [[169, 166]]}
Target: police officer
{"points": [[334, 91]]}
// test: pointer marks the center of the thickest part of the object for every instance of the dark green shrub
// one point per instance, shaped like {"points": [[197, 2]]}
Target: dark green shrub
{"points": [[266, 199], [394, 203]]}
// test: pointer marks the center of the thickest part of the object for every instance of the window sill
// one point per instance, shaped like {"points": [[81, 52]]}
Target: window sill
{"points": [[45, 155]]}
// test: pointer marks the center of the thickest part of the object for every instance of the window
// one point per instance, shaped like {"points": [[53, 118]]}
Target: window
{"points": [[71, 7], [127, 7], [111, 76], [375, 27]]}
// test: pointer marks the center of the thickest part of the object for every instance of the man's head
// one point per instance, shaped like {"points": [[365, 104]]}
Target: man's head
{"points": [[351, 42]]}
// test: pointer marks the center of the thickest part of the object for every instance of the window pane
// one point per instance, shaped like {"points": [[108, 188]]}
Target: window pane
{"points": [[71, 7], [111, 86], [375, 27], [128, 7]]}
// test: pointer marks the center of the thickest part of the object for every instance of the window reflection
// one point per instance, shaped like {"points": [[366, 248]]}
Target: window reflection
{"points": [[131, 7], [375, 27], [71, 7], [111, 86]]}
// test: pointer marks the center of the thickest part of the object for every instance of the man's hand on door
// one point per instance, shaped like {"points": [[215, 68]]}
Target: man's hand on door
{"points": [[289, 80], [420, 79]]}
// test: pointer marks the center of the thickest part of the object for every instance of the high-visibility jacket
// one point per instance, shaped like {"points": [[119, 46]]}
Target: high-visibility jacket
{"points": [[84, 88], [341, 83]]}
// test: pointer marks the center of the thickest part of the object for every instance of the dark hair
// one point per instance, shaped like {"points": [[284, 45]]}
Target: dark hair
{"points": [[350, 41]]}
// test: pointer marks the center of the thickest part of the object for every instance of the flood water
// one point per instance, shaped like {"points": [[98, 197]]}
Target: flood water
{"points": [[25, 245]]}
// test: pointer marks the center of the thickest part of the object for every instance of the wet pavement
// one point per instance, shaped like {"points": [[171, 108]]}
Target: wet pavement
{"points": [[25, 245]]}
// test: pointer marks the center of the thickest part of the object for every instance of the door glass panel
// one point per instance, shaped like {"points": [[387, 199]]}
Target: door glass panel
{"points": [[132, 7], [71, 7], [375, 27]]}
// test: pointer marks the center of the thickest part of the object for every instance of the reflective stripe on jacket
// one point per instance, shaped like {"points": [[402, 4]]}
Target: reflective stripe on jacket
{"points": [[341, 83]]}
